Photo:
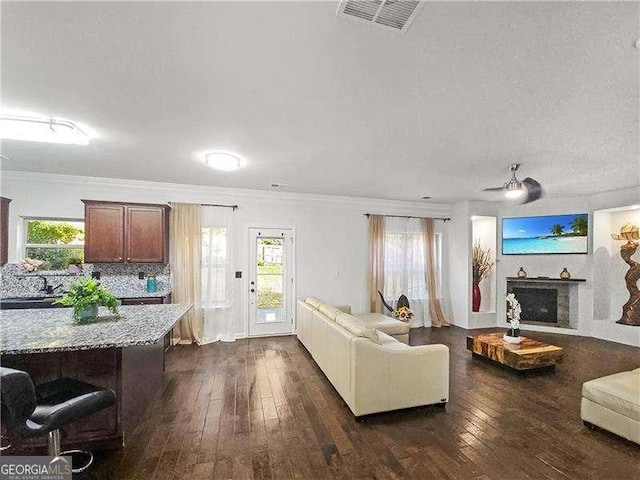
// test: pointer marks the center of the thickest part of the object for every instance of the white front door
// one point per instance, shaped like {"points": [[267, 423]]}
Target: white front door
{"points": [[271, 292]]}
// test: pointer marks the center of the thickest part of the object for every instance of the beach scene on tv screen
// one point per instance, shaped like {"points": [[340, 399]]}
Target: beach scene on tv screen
{"points": [[548, 234]]}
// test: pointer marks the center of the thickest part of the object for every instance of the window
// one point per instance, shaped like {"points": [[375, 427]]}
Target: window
{"points": [[57, 242], [404, 259], [214, 267]]}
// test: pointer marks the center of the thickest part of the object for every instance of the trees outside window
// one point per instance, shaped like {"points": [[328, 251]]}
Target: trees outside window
{"points": [[58, 243]]}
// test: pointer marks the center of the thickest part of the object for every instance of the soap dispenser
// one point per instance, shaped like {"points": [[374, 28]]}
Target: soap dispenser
{"points": [[152, 284]]}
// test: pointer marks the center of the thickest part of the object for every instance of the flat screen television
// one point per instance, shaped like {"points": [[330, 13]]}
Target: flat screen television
{"points": [[545, 235]]}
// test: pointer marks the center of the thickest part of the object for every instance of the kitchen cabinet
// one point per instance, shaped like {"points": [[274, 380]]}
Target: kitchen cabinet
{"points": [[126, 232], [143, 301], [4, 230]]}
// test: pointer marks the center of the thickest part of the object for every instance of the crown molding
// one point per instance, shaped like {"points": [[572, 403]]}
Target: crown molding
{"points": [[234, 194]]}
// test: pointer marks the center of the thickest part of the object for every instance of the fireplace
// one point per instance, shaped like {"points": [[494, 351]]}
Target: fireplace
{"points": [[538, 304], [548, 302]]}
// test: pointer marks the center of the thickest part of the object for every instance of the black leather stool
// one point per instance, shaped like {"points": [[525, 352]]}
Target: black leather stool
{"points": [[29, 411]]}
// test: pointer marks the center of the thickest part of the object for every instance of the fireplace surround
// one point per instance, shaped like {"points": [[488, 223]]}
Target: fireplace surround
{"points": [[551, 302]]}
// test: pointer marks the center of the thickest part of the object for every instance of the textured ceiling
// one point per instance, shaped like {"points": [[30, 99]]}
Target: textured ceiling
{"points": [[329, 105]]}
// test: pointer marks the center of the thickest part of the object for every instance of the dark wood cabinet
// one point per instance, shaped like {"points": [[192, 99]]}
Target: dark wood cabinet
{"points": [[143, 301], [103, 227], [145, 234], [126, 232], [4, 230]]}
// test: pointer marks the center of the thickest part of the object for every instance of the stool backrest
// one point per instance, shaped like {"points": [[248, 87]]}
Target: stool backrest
{"points": [[18, 398]]}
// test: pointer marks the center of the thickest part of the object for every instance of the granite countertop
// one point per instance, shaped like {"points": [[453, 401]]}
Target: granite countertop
{"points": [[53, 329]]}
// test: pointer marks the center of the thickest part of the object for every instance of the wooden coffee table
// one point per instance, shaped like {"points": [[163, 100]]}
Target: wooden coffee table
{"points": [[528, 355]]}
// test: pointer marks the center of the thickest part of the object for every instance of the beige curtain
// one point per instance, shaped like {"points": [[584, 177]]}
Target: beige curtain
{"points": [[186, 256], [375, 279], [431, 274]]}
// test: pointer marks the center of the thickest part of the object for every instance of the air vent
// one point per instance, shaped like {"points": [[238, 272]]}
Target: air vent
{"points": [[390, 14]]}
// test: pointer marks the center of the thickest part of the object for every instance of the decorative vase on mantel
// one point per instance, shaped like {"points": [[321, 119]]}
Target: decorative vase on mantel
{"points": [[476, 298]]}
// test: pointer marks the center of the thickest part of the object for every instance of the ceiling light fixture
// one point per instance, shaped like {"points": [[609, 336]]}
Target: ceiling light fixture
{"points": [[226, 162], [36, 128], [513, 190]]}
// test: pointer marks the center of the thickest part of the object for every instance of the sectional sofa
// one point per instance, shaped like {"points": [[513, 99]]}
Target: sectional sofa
{"points": [[613, 403], [372, 371]]}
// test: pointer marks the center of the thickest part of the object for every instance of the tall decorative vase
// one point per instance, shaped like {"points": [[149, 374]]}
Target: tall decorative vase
{"points": [[476, 298]]}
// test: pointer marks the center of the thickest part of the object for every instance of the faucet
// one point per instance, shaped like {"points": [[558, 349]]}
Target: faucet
{"points": [[48, 289], [45, 286]]}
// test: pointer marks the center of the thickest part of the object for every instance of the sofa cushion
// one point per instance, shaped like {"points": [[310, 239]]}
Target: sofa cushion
{"points": [[386, 340], [330, 311], [619, 392], [344, 308], [383, 323], [314, 302], [358, 328]]}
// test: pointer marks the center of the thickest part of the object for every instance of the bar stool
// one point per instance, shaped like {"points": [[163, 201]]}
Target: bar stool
{"points": [[29, 411]]}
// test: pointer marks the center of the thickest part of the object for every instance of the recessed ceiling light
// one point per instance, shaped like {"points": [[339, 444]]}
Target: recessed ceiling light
{"points": [[227, 162], [36, 128]]}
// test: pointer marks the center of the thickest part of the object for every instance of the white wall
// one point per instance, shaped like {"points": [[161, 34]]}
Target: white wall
{"points": [[580, 266], [331, 232]]}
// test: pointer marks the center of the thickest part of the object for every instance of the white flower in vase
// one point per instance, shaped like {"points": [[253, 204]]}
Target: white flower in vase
{"points": [[513, 315]]}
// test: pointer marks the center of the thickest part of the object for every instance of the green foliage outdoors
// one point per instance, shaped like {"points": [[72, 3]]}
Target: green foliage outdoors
{"points": [[557, 229], [270, 285], [270, 241], [56, 232], [51, 232], [269, 299], [84, 293], [580, 225], [56, 258]]}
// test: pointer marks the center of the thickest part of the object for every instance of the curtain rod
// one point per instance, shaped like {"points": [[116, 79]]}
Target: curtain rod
{"points": [[444, 219], [233, 207]]}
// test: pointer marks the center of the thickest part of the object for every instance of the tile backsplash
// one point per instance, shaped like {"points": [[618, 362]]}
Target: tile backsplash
{"points": [[121, 279]]}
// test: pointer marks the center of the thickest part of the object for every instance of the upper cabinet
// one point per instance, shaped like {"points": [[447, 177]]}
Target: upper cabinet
{"points": [[125, 232], [4, 230]]}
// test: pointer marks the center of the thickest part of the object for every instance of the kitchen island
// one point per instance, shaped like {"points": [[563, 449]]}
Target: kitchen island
{"points": [[122, 352]]}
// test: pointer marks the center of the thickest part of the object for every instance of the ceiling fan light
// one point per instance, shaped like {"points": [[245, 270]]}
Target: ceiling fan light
{"points": [[223, 161], [515, 193]]}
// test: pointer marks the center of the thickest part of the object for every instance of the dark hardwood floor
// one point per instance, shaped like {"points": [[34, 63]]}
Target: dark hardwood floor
{"points": [[261, 409]]}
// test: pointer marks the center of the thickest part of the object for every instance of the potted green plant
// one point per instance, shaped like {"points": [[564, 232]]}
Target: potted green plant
{"points": [[85, 295]]}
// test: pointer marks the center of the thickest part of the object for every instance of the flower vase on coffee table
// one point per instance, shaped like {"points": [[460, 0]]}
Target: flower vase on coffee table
{"points": [[513, 316]]}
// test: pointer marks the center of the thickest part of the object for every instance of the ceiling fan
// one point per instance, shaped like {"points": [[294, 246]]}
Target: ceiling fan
{"points": [[528, 189]]}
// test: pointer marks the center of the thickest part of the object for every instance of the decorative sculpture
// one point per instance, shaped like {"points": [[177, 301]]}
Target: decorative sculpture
{"points": [[631, 309], [403, 301]]}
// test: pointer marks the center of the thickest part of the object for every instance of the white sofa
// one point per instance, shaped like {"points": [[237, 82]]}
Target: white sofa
{"points": [[372, 371], [613, 403]]}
